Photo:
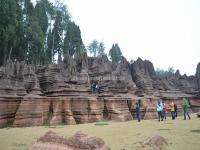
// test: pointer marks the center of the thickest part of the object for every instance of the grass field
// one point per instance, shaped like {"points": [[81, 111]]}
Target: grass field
{"points": [[181, 134]]}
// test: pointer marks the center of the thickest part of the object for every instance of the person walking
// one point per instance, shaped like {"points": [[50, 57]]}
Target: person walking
{"points": [[175, 111], [159, 109], [164, 111], [185, 106], [137, 109], [93, 86], [171, 108]]}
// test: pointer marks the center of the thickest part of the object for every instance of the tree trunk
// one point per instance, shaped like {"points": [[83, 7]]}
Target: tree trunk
{"points": [[11, 49]]}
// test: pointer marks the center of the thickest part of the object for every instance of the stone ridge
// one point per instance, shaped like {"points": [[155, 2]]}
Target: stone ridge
{"points": [[61, 93]]}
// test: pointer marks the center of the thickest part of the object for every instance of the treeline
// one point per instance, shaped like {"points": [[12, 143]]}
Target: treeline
{"points": [[42, 33], [39, 34]]}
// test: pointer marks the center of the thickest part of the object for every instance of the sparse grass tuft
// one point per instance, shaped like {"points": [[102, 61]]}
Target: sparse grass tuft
{"points": [[164, 129], [101, 123], [196, 130]]}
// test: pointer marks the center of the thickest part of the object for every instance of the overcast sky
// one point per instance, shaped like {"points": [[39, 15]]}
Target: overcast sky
{"points": [[166, 32]]}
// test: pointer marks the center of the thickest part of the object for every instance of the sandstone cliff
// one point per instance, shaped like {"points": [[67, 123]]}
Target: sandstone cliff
{"points": [[61, 93]]}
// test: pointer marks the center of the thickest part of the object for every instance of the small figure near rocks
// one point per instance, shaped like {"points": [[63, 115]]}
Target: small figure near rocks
{"points": [[137, 109], [171, 108], [185, 106], [159, 110], [93, 86], [198, 115], [97, 88], [175, 111], [164, 110]]}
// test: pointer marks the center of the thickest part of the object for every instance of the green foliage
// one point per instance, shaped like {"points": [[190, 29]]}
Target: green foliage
{"points": [[115, 53], [93, 47], [96, 48], [73, 41], [165, 73], [57, 34], [35, 43], [24, 35], [41, 14], [101, 49], [49, 52], [8, 20], [198, 71], [101, 123], [196, 130]]}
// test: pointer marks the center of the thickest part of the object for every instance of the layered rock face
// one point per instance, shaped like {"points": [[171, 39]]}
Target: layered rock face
{"points": [[61, 93]]}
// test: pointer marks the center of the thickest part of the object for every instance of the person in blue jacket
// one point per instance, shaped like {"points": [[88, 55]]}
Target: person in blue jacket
{"points": [[159, 109]]}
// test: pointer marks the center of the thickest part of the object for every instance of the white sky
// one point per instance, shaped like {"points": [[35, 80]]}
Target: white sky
{"points": [[166, 32]]}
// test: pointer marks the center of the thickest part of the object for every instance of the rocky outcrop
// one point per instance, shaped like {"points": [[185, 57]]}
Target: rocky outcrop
{"points": [[156, 141], [79, 141], [61, 93]]}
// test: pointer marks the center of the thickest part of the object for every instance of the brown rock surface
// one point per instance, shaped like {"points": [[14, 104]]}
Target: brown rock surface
{"points": [[79, 141], [157, 141], [32, 111], [61, 93]]}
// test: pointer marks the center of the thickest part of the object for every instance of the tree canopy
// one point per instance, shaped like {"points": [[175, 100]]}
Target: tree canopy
{"points": [[198, 71], [96, 48], [115, 53], [37, 34]]}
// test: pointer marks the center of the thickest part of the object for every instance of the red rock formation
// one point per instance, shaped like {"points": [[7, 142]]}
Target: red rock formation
{"points": [[61, 93], [79, 141], [32, 111]]}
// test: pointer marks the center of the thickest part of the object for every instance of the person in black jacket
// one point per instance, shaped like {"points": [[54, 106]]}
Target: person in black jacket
{"points": [[175, 111], [137, 110]]}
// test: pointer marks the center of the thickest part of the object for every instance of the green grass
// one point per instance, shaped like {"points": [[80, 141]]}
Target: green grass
{"points": [[164, 129], [196, 130], [181, 134], [101, 123]]}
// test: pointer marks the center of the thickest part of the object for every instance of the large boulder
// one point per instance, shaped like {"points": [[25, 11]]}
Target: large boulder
{"points": [[79, 141], [156, 141]]}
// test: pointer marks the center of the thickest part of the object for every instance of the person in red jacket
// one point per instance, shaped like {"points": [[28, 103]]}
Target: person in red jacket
{"points": [[164, 111]]}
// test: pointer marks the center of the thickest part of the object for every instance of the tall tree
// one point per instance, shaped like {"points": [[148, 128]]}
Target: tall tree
{"points": [[18, 52], [101, 49], [62, 18], [73, 41], [41, 13], [49, 54], [8, 19], [198, 71], [57, 35], [93, 47], [198, 75], [115, 53], [35, 36]]}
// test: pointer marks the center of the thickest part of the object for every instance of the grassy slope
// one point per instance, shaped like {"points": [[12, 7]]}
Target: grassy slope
{"points": [[117, 135]]}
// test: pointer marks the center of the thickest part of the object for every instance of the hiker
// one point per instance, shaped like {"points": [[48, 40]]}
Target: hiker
{"points": [[185, 106], [97, 88], [175, 111], [164, 110], [171, 108], [137, 109], [159, 109], [93, 86]]}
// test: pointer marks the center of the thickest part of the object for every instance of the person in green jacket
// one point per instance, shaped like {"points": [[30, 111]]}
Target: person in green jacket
{"points": [[185, 106]]}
